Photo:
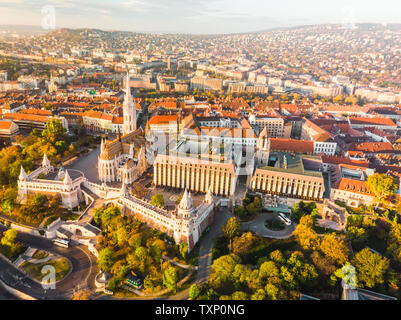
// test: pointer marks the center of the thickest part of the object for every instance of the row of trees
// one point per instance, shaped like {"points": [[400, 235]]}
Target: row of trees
{"points": [[277, 277]]}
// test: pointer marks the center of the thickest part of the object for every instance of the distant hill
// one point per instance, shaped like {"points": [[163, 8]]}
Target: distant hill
{"points": [[78, 35], [19, 29]]}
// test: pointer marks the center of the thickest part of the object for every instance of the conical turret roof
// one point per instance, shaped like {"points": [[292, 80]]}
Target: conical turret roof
{"points": [[23, 175], [46, 161], [67, 178], [186, 201]]}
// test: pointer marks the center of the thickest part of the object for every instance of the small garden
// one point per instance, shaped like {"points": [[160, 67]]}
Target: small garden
{"points": [[274, 224], [61, 265]]}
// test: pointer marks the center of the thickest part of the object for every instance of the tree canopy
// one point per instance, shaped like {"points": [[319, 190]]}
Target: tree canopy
{"points": [[382, 186], [371, 267]]}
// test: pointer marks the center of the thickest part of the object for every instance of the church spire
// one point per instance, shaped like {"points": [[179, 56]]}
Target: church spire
{"points": [[102, 146], [129, 108]]}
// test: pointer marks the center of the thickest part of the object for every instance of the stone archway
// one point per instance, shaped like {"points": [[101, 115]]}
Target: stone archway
{"points": [[78, 232]]}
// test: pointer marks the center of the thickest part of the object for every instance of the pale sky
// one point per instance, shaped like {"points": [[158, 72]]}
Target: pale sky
{"points": [[199, 16]]}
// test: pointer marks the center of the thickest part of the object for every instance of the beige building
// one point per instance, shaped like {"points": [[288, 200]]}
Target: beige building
{"points": [[275, 126], [197, 175], [203, 83], [290, 175]]}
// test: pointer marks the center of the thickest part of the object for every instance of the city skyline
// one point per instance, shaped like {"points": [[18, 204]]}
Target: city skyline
{"points": [[211, 17]]}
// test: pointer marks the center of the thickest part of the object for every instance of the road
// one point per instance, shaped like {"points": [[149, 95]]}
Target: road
{"points": [[257, 226], [206, 245], [4, 295], [84, 269]]}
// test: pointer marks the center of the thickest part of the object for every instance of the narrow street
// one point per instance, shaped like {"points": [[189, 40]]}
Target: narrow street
{"points": [[206, 245]]}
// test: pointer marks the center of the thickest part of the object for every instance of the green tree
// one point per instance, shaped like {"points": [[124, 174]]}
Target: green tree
{"points": [[122, 236], [141, 253], [231, 229], [194, 291], [7, 206], [271, 291], [259, 295], [224, 266], [371, 267], [239, 295], [170, 278], [358, 236], [9, 237], [335, 249], [114, 283], [105, 259], [135, 240], [241, 245], [39, 200], [157, 200], [268, 271], [305, 235], [184, 250]]}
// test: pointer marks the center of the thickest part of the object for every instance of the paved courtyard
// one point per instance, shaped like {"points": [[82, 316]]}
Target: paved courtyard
{"points": [[88, 165]]}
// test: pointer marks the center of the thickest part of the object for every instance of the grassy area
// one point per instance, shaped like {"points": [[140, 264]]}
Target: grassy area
{"points": [[39, 254], [61, 265]]}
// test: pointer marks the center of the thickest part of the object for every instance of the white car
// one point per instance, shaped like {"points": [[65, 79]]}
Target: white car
{"points": [[284, 219]]}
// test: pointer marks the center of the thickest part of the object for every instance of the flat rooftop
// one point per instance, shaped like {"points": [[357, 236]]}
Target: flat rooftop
{"points": [[203, 150], [295, 163]]}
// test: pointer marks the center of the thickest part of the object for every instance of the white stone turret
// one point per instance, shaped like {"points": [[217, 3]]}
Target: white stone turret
{"points": [[45, 162], [209, 197], [67, 179], [23, 176], [124, 189]]}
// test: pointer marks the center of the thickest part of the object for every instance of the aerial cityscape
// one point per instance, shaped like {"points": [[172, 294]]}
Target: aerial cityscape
{"points": [[180, 163]]}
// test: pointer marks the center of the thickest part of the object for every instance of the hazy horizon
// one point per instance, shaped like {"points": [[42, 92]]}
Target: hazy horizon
{"points": [[195, 17]]}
